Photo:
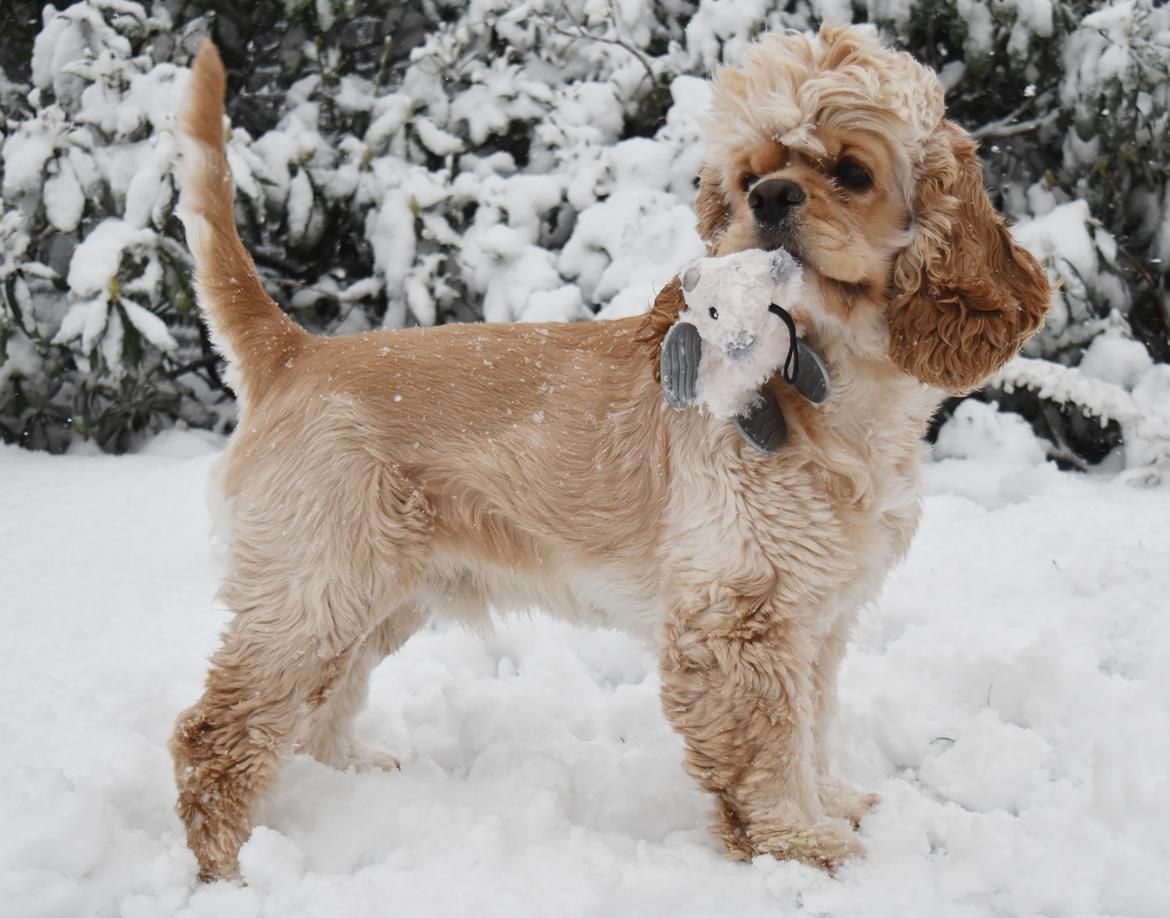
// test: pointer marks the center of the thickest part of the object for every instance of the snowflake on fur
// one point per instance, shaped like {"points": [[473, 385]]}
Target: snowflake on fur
{"points": [[735, 333]]}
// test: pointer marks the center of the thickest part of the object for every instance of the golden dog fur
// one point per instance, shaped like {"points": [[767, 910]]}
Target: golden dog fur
{"points": [[377, 478]]}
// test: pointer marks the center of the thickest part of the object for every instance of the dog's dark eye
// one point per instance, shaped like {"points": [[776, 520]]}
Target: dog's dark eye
{"points": [[849, 173], [713, 312], [747, 181]]}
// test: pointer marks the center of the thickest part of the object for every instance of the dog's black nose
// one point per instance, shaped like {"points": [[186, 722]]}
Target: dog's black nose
{"points": [[771, 201]]}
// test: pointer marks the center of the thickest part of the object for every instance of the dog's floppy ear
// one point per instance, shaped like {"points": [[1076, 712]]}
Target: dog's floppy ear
{"points": [[662, 315], [964, 295], [711, 207]]}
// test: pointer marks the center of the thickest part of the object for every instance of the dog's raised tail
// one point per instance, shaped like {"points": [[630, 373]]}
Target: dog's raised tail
{"points": [[254, 335]]}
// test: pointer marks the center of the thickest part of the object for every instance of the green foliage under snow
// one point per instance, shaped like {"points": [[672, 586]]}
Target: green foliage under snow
{"points": [[417, 163]]}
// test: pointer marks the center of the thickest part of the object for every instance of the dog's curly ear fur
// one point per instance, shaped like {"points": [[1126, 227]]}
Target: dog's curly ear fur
{"points": [[663, 314], [711, 206], [964, 295]]}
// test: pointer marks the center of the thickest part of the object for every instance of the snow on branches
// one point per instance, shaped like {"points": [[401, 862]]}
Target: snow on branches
{"points": [[498, 160]]}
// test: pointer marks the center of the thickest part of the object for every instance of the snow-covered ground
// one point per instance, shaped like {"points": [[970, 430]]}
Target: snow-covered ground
{"points": [[1009, 696]]}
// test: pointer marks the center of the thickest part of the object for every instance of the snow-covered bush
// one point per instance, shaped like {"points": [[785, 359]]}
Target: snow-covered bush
{"points": [[438, 160], [96, 314]]}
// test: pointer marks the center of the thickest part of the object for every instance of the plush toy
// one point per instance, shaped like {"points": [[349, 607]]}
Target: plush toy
{"points": [[734, 335]]}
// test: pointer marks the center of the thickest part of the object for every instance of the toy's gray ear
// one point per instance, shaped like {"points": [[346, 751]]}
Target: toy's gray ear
{"points": [[690, 278], [678, 364], [783, 265]]}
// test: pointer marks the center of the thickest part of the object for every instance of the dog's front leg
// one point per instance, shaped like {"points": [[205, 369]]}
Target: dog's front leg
{"points": [[838, 797], [737, 683]]}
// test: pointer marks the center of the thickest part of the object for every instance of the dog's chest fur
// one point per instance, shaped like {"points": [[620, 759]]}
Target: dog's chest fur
{"points": [[820, 528]]}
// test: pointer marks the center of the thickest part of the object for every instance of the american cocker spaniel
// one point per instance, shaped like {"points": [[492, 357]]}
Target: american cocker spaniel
{"points": [[378, 479]]}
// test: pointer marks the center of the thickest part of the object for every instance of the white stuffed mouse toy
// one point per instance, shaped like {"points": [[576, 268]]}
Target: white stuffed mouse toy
{"points": [[734, 335]]}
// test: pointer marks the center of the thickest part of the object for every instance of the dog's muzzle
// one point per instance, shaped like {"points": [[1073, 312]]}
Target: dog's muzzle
{"points": [[774, 204], [774, 201]]}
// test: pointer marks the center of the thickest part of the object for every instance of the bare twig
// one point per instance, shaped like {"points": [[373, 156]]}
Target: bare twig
{"points": [[1005, 127], [580, 33], [1163, 306], [206, 362], [1060, 447]]}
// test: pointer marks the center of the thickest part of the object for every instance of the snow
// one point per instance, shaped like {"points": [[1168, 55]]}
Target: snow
{"points": [[300, 207], [25, 153], [1081, 258], [561, 305], [1007, 696], [1149, 442], [979, 431], [833, 12], [153, 328], [1095, 394], [64, 199], [718, 32], [391, 233], [1108, 61], [1116, 359], [388, 115], [1099, 389], [1062, 233], [88, 319], [436, 139], [508, 270], [631, 243], [1036, 15], [145, 191], [95, 261]]}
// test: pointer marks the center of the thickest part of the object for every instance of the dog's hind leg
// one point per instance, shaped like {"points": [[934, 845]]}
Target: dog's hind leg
{"points": [[308, 565], [227, 747], [328, 734]]}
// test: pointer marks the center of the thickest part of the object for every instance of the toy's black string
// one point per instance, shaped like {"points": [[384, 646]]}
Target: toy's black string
{"points": [[793, 356]]}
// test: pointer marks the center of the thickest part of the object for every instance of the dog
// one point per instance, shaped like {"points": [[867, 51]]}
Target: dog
{"points": [[377, 479]]}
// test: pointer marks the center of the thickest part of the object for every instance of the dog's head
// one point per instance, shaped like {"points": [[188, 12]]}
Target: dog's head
{"points": [[836, 149]]}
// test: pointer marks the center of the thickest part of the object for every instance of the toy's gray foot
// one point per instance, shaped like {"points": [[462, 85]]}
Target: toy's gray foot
{"points": [[812, 376], [678, 365], [762, 425]]}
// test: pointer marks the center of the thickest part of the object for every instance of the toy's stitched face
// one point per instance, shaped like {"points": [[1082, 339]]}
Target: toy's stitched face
{"points": [[706, 285], [735, 333], [728, 302]]}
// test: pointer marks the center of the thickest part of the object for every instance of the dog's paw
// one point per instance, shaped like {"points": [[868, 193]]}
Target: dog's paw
{"points": [[841, 800], [827, 844], [354, 754], [366, 758]]}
